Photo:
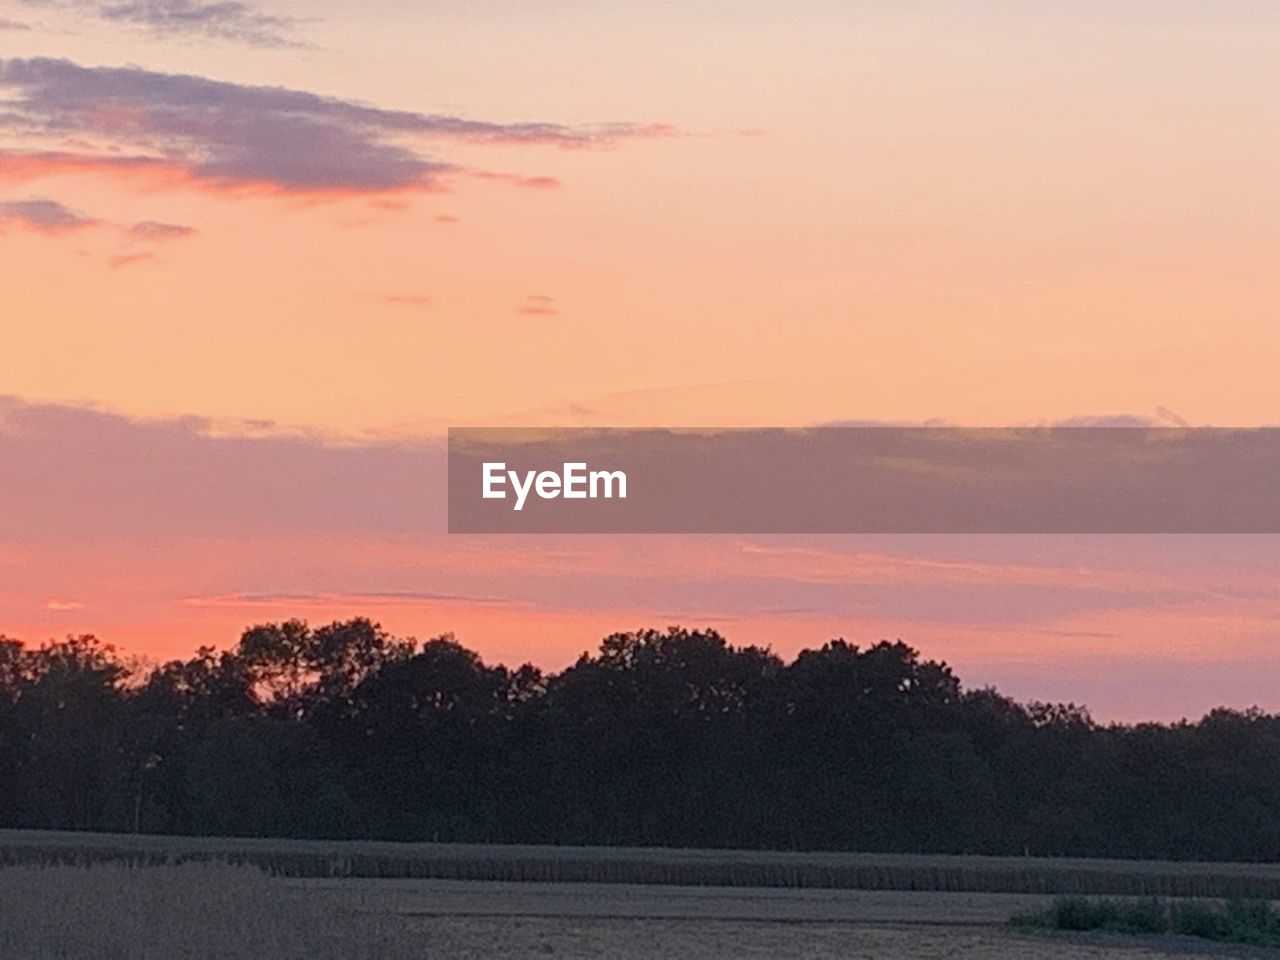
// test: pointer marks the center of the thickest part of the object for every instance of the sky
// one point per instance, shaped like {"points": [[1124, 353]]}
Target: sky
{"points": [[255, 258]]}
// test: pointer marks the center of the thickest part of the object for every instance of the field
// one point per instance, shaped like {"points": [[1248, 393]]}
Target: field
{"points": [[723, 868], [93, 898], [206, 911]]}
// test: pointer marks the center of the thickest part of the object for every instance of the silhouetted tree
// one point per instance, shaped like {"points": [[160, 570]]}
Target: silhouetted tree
{"points": [[659, 737], [66, 717]]}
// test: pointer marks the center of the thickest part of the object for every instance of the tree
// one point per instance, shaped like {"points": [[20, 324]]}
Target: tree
{"points": [[66, 716]]}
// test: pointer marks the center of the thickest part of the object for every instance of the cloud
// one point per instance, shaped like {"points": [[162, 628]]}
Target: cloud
{"points": [[57, 605], [200, 477], [1107, 421], [517, 180], [210, 133], [43, 216], [538, 305], [14, 25], [53, 218], [126, 259], [226, 523], [221, 20], [21, 166], [1163, 417], [153, 230], [407, 300], [344, 598], [225, 20]]}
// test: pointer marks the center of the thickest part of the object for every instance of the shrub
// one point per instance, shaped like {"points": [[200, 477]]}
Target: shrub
{"points": [[1199, 920], [1255, 922]]}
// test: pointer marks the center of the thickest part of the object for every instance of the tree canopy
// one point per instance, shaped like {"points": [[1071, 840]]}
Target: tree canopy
{"points": [[661, 737]]}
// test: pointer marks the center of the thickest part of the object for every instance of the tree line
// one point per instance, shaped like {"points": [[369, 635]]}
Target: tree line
{"points": [[669, 738]]}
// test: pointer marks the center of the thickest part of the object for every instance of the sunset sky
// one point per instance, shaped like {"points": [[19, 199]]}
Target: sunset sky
{"points": [[256, 258]]}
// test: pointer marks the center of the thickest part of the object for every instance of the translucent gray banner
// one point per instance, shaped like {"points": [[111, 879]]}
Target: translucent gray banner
{"points": [[865, 480]]}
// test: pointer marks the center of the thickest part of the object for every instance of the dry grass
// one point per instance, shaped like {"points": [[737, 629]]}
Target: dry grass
{"points": [[194, 911], [206, 911], [653, 866]]}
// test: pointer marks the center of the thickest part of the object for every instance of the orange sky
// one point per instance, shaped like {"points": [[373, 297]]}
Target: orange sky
{"points": [[361, 226]]}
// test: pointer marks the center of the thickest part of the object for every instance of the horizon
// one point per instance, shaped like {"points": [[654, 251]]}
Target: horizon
{"points": [[140, 666]]}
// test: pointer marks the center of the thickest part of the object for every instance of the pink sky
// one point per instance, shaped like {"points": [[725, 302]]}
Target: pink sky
{"points": [[280, 247]]}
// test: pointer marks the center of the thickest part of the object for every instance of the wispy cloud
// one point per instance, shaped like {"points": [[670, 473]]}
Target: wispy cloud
{"points": [[210, 133], [13, 25], [538, 305], [153, 230], [225, 20], [43, 216], [331, 598], [57, 605], [517, 180], [407, 300], [128, 259], [232, 21]]}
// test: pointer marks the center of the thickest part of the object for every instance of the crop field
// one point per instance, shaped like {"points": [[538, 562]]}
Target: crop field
{"points": [[721, 868], [105, 897], [203, 911]]}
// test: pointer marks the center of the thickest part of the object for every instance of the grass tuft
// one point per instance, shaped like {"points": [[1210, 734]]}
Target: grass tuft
{"points": [[1253, 922]]}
